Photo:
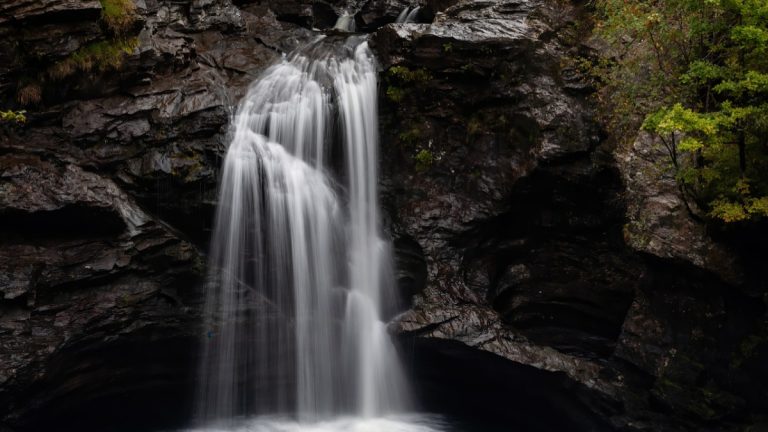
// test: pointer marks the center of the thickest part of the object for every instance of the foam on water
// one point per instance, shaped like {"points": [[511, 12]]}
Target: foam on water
{"points": [[403, 423]]}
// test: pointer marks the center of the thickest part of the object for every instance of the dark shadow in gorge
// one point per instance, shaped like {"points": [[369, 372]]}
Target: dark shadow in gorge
{"points": [[481, 391]]}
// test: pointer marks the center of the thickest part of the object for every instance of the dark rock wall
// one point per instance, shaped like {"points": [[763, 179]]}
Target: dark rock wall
{"points": [[545, 269], [105, 203], [544, 242]]}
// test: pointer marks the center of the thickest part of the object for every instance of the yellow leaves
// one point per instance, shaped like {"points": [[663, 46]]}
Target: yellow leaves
{"points": [[13, 117], [696, 72], [679, 119], [690, 144], [741, 187], [728, 211], [744, 207], [652, 19], [758, 206]]}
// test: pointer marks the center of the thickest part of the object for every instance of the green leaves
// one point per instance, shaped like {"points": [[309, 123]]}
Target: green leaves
{"points": [[17, 117], [750, 84], [679, 119], [702, 72], [696, 73], [750, 37]]}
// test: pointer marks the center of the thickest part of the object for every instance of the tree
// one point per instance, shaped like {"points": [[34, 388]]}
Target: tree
{"points": [[702, 71]]}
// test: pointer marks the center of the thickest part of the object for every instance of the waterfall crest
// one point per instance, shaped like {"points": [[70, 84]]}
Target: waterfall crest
{"points": [[299, 268], [408, 15]]}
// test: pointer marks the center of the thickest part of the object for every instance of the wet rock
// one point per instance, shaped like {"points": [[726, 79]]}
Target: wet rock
{"points": [[377, 13], [214, 14], [100, 292], [73, 270], [660, 221], [21, 10], [525, 217]]}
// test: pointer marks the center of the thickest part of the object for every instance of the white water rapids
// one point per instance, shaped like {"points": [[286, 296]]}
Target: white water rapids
{"points": [[300, 271]]}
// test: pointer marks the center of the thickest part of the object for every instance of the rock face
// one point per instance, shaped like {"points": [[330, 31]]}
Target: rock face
{"points": [[106, 198], [548, 271], [526, 234]]}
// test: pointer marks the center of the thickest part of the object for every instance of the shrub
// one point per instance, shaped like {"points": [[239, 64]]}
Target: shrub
{"points": [[13, 116], [101, 56], [424, 160], [29, 94], [118, 15]]}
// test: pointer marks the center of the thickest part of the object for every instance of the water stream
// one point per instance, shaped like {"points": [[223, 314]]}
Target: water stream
{"points": [[300, 271]]}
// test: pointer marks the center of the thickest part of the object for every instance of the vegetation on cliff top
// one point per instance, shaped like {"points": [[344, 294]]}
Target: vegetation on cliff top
{"points": [[695, 74], [118, 18], [118, 15], [100, 56]]}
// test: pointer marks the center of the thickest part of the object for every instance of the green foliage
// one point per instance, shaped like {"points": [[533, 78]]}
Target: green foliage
{"points": [[17, 117], [102, 56], [424, 160], [118, 15], [694, 73], [118, 18], [474, 126], [400, 78], [411, 136], [395, 94], [406, 75]]}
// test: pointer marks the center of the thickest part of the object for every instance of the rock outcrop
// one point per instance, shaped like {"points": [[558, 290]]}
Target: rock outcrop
{"points": [[523, 227], [106, 199]]}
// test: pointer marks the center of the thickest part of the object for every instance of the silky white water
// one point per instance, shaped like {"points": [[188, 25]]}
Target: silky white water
{"points": [[300, 271], [408, 15], [403, 423]]}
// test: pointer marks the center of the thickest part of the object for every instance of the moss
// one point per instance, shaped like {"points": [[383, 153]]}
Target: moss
{"points": [[447, 47], [132, 299], [410, 136], [474, 126], [406, 75], [400, 78], [424, 160], [118, 15], [395, 94], [101, 56], [746, 349]]}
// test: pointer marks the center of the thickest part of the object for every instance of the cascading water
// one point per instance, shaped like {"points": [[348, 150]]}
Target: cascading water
{"points": [[299, 269], [408, 15]]}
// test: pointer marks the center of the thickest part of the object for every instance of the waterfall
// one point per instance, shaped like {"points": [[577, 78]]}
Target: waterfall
{"points": [[300, 271], [403, 15], [408, 15], [345, 23], [413, 15]]}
